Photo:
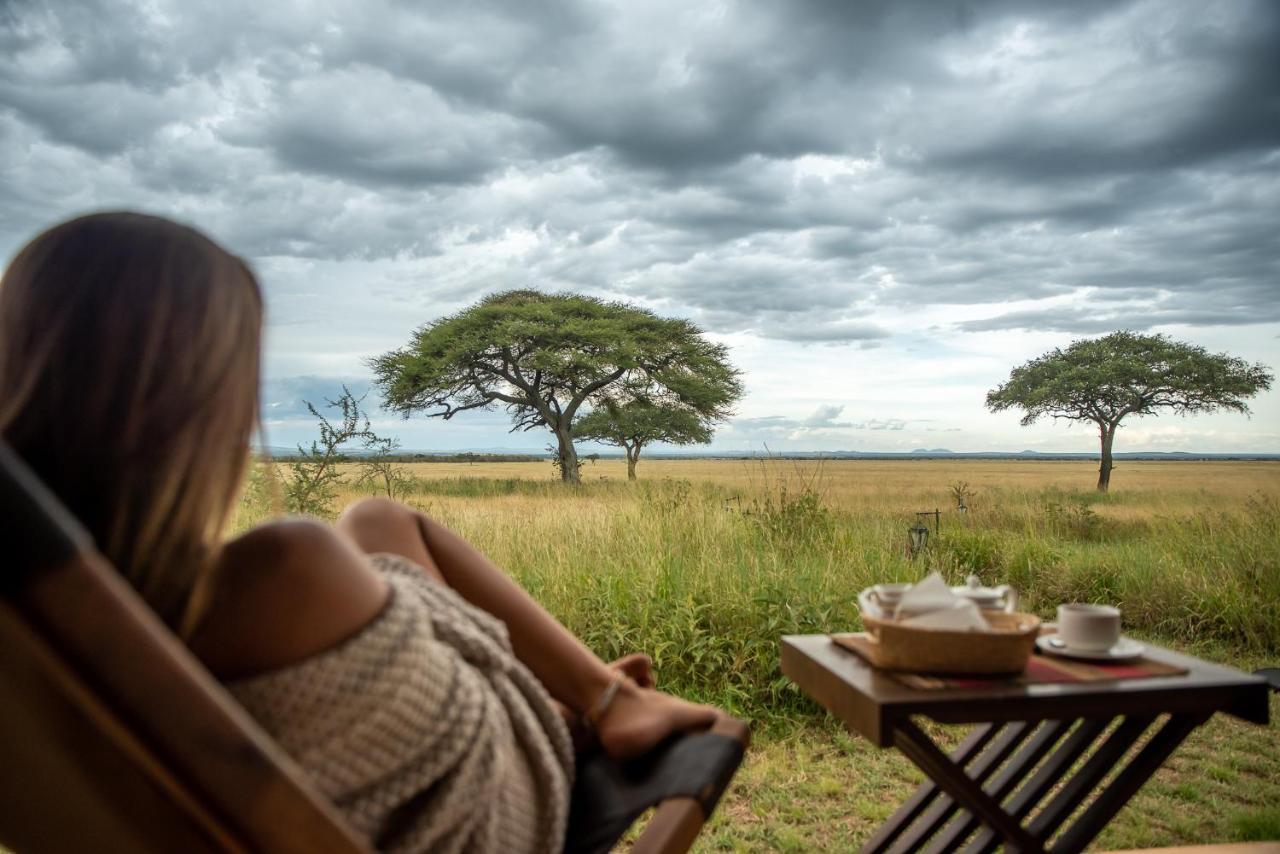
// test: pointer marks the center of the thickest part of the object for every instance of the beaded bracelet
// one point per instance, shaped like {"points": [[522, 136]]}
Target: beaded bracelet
{"points": [[602, 705]]}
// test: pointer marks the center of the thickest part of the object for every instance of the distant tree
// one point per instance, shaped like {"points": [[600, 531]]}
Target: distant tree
{"points": [[1106, 379], [543, 356], [962, 495], [639, 422]]}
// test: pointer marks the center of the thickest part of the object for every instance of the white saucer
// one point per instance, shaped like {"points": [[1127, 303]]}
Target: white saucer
{"points": [[1122, 651]]}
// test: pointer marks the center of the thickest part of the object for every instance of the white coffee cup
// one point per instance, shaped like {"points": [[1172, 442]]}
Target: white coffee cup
{"points": [[1089, 628]]}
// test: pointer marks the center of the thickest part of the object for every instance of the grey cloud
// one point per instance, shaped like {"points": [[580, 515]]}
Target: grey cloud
{"points": [[1090, 320], [87, 42], [395, 133], [101, 118], [795, 171], [440, 48], [677, 89], [818, 332], [96, 76], [1205, 106]]}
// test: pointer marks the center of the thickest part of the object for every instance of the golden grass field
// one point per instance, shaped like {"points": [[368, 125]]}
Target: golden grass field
{"points": [[883, 479], [705, 563], [1142, 489]]}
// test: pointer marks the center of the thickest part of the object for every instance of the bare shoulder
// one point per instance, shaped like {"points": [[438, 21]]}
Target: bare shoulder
{"points": [[285, 591]]}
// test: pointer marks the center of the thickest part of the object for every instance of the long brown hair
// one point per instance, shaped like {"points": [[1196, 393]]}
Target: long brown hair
{"points": [[129, 349]]}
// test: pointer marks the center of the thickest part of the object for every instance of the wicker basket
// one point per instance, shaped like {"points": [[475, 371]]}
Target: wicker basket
{"points": [[1003, 650]]}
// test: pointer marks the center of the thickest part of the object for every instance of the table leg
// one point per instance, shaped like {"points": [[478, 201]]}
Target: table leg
{"points": [[1010, 739], [1090, 775], [888, 833], [1002, 773], [1013, 773], [953, 780], [1034, 789], [1127, 782]]}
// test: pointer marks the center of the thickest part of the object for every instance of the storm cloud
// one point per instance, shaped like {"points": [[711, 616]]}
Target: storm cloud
{"points": [[819, 174]]}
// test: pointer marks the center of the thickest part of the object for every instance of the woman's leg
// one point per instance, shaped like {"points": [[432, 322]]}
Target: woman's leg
{"points": [[571, 673]]}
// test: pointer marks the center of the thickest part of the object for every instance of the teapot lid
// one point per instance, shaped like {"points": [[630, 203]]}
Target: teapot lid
{"points": [[974, 590]]}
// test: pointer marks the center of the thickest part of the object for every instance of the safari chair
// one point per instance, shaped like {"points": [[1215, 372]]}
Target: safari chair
{"points": [[114, 737]]}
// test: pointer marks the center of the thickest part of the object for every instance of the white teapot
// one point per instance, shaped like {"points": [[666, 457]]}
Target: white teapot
{"points": [[1002, 598]]}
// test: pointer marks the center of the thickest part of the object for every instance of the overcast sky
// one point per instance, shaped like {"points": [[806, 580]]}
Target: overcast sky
{"points": [[881, 208]]}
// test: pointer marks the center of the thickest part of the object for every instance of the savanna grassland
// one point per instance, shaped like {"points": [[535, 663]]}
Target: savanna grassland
{"points": [[704, 564]]}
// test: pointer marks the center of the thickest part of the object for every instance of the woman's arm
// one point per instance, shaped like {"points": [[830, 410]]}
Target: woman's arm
{"points": [[573, 674], [569, 671]]}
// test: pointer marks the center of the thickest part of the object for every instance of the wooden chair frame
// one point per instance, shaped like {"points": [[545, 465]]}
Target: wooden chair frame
{"points": [[114, 737]]}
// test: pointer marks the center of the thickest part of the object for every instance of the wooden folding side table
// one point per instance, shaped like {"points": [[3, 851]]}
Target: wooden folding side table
{"points": [[1028, 740]]}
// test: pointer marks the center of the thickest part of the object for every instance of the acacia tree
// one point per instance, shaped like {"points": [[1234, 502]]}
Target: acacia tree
{"points": [[543, 356], [639, 422], [1106, 379]]}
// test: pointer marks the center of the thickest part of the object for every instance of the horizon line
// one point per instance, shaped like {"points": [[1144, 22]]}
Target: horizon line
{"points": [[746, 452]]}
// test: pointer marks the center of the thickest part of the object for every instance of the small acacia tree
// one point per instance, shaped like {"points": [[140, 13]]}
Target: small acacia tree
{"points": [[543, 356], [313, 473], [379, 468], [637, 423], [1106, 379]]}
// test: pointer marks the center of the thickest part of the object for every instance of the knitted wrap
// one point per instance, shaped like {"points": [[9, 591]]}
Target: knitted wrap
{"points": [[423, 728]]}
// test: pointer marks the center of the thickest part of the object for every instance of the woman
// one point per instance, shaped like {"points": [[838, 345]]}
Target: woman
{"points": [[424, 691]]}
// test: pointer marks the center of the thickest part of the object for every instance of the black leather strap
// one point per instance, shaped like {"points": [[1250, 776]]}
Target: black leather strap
{"points": [[36, 532], [608, 795]]}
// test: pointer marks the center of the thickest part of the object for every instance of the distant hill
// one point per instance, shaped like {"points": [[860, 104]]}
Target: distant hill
{"points": [[280, 453]]}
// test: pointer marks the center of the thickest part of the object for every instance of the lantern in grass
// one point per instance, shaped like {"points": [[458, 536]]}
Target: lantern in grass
{"points": [[919, 533]]}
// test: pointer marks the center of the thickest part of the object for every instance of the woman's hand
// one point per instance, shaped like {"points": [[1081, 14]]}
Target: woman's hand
{"points": [[638, 667], [638, 719]]}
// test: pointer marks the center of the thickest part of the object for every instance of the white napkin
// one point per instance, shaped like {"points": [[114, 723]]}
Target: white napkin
{"points": [[931, 605]]}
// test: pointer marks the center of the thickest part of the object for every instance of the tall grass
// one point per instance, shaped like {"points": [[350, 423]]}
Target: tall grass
{"points": [[705, 571]]}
